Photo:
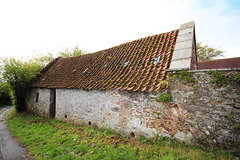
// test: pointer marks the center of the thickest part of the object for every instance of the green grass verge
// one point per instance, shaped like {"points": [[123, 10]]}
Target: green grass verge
{"points": [[51, 139]]}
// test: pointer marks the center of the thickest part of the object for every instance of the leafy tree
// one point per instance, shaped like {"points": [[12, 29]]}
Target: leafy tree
{"points": [[76, 51], [206, 53], [19, 74], [43, 60], [5, 94]]}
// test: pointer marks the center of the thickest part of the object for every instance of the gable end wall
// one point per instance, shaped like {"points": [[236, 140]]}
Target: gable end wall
{"points": [[42, 107]]}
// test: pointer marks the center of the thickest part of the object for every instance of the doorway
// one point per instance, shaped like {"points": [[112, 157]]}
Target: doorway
{"points": [[53, 103]]}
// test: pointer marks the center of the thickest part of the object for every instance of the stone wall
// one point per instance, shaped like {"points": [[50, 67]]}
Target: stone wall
{"points": [[38, 101], [213, 110], [128, 113], [201, 112]]}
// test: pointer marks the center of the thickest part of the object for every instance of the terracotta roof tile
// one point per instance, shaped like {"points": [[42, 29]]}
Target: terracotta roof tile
{"points": [[139, 65], [220, 63]]}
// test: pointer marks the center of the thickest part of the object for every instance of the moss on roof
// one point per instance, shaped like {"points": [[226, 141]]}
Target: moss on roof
{"points": [[139, 65]]}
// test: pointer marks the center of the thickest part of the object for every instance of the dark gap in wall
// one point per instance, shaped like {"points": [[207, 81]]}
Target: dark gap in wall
{"points": [[89, 123], [37, 97], [65, 116], [132, 135]]}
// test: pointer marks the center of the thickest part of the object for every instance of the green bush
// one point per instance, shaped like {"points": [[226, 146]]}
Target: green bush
{"points": [[236, 126], [186, 76], [72, 52], [175, 76], [164, 97], [19, 74], [5, 94], [230, 116]]}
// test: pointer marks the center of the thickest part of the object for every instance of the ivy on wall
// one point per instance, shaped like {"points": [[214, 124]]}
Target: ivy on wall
{"points": [[237, 78], [164, 97], [218, 78], [184, 75]]}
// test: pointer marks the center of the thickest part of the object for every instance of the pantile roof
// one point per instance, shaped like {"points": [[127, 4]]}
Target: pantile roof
{"points": [[139, 65], [220, 63]]}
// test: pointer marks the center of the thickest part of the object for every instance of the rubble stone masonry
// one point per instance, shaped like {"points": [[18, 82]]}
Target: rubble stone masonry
{"points": [[213, 110], [200, 112]]}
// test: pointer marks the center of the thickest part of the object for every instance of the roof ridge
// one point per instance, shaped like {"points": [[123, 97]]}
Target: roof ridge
{"points": [[219, 59]]}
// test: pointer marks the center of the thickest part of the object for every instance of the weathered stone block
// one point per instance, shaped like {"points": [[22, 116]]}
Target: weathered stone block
{"points": [[187, 25], [185, 37], [233, 95], [183, 45], [182, 54], [237, 105], [229, 102], [224, 106], [185, 31], [181, 64]]}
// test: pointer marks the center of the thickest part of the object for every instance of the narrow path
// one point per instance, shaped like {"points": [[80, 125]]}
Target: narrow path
{"points": [[9, 147]]}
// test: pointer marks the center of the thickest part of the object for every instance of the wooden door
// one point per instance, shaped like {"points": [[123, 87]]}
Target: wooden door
{"points": [[53, 103]]}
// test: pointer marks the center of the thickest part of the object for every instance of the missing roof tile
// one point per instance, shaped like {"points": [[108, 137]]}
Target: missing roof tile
{"points": [[85, 70], [126, 63], [157, 59]]}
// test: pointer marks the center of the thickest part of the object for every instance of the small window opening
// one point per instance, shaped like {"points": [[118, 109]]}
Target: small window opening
{"points": [[89, 123], [125, 64], [157, 59], [132, 135], [37, 97], [65, 116]]}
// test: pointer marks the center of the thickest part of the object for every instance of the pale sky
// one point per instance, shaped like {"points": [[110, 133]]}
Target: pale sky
{"points": [[30, 27]]}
